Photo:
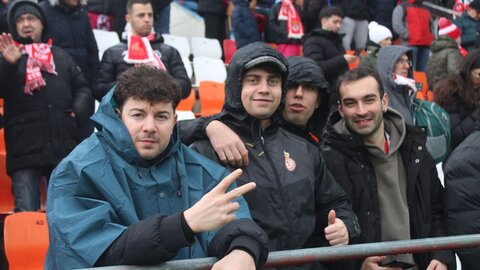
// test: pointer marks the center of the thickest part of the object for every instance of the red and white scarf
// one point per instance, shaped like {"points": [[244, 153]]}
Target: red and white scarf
{"points": [[140, 52], [40, 59], [294, 24]]}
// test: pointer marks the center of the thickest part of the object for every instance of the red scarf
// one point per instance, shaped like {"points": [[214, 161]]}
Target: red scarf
{"points": [[294, 24], [140, 52], [40, 59]]}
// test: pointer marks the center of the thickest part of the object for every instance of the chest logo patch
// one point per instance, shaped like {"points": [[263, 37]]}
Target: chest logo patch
{"points": [[290, 164]]}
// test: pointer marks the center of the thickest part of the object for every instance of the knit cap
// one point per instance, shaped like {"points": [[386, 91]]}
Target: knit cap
{"points": [[377, 33], [446, 27]]}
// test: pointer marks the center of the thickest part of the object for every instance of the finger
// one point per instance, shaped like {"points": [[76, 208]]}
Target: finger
{"points": [[227, 181], [221, 156], [231, 207], [243, 153], [230, 158], [239, 191], [376, 259], [331, 217]]}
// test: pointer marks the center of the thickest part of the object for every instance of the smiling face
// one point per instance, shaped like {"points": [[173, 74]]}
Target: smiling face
{"points": [[300, 103], [261, 93], [141, 19], [150, 125], [29, 25], [362, 107]]}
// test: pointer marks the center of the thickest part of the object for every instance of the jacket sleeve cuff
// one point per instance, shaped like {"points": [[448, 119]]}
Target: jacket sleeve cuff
{"points": [[172, 232], [248, 245]]}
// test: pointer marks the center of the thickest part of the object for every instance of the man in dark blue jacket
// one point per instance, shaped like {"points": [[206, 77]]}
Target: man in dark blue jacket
{"points": [[132, 194]]}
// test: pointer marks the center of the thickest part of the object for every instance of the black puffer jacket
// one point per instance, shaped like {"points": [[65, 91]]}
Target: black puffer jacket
{"points": [[276, 31], [38, 128], [112, 65], [326, 48], [348, 159], [290, 205], [462, 194]]}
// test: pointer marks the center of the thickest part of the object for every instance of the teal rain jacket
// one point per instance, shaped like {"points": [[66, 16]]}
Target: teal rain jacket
{"points": [[104, 186]]}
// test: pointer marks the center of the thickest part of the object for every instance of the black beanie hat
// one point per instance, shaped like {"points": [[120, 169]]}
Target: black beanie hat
{"points": [[25, 7]]}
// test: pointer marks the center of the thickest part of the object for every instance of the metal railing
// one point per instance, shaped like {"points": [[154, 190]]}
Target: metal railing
{"points": [[301, 256]]}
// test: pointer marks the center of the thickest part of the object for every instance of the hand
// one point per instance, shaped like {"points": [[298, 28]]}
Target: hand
{"points": [[437, 265], [371, 263], [72, 114], [228, 146], [336, 232], [252, 5], [235, 260], [11, 52], [230, 9], [216, 208], [350, 58]]}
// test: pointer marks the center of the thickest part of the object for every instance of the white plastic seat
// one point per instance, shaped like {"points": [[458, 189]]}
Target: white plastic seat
{"points": [[209, 69], [105, 40], [206, 47], [188, 66], [179, 43]]}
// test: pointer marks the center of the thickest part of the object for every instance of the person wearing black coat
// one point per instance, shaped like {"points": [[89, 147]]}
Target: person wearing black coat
{"points": [[113, 63], [324, 46], [214, 13], [41, 126], [385, 168], [285, 167], [462, 194]]}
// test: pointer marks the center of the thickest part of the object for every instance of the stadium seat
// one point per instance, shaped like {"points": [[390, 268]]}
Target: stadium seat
{"points": [[209, 69], [26, 240], [105, 40], [229, 48], [212, 95], [179, 43], [187, 104], [206, 47], [188, 66]]}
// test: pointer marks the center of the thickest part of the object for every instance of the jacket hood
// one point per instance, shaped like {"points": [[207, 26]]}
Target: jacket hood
{"points": [[114, 132], [245, 58], [12, 25], [443, 42], [57, 2], [387, 57]]}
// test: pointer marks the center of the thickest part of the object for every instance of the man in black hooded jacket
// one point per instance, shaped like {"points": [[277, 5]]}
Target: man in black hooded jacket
{"points": [[296, 201]]}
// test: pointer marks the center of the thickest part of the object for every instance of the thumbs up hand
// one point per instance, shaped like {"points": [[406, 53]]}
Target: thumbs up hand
{"points": [[336, 232]]}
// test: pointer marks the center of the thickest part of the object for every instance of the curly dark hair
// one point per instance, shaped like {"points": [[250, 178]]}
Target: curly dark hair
{"points": [[459, 87], [149, 84]]}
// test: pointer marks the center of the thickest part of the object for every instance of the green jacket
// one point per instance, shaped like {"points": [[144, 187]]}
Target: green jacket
{"points": [[370, 59], [444, 61]]}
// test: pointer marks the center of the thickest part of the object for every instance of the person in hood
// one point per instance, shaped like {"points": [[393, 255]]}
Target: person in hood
{"points": [[324, 46], [141, 46], [69, 28], [132, 194], [305, 112], [383, 165], [45, 98], [379, 36], [462, 194], [394, 66], [297, 202]]}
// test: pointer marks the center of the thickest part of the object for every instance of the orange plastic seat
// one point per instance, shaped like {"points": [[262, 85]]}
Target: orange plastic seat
{"points": [[212, 95], [6, 197], [229, 48], [187, 104], [26, 240]]}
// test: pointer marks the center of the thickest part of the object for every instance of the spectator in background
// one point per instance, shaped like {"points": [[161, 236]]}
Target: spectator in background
{"points": [[446, 57], [244, 24], [214, 13], [45, 97], [379, 36], [161, 10], [354, 24], [468, 23], [413, 23], [324, 46], [394, 66], [284, 27], [69, 27], [459, 96], [100, 13], [141, 46], [311, 9], [462, 194]]}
